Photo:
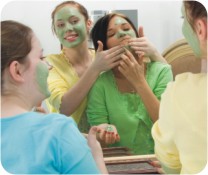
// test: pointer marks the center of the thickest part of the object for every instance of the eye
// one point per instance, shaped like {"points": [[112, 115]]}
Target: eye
{"points": [[42, 58], [60, 25], [111, 35], [126, 29], [74, 21]]}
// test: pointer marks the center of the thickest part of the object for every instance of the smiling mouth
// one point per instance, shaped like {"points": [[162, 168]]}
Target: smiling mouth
{"points": [[71, 38]]}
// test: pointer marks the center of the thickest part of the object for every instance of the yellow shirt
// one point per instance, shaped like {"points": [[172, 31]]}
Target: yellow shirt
{"points": [[62, 77], [180, 134]]}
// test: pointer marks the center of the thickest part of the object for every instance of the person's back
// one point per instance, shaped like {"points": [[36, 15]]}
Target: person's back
{"points": [[44, 144], [34, 143], [180, 134], [185, 124]]}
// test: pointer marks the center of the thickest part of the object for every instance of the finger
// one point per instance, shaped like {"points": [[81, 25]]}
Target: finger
{"points": [[101, 135], [125, 61], [141, 31], [116, 58], [139, 53], [114, 64], [115, 49], [122, 70], [140, 60], [130, 56], [138, 44], [107, 138], [100, 46], [93, 131], [113, 53], [117, 137]]}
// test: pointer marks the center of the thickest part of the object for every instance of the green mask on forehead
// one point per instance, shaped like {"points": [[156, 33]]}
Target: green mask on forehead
{"points": [[190, 35], [78, 28], [41, 77], [120, 21]]}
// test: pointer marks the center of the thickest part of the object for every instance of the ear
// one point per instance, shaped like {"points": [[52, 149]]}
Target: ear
{"points": [[89, 24], [201, 29], [16, 71]]}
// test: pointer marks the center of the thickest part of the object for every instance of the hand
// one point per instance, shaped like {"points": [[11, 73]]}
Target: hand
{"points": [[108, 134], [142, 45], [158, 166], [93, 143], [40, 109], [132, 69], [106, 60], [96, 149]]}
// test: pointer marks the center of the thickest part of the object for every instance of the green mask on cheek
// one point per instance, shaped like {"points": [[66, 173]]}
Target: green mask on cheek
{"points": [[190, 35], [41, 77], [69, 26]]}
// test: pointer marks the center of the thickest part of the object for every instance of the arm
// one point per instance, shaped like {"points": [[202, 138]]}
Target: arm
{"points": [[74, 154], [98, 115], [134, 72], [104, 60], [143, 45], [96, 149], [163, 135]]}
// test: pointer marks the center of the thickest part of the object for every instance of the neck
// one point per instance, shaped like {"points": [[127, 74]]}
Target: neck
{"points": [[78, 55], [15, 103], [204, 65], [117, 73]]}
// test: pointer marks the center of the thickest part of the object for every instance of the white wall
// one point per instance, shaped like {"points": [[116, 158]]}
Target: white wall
{"points": [[161, 19]]}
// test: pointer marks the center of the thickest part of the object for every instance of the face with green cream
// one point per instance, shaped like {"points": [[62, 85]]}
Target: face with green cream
{"points": [[41, 78], [119, 31], [190, 35], [70, 26]]}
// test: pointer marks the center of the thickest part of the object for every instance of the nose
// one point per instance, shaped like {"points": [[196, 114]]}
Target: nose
{"points": [[68, 27], [121, 33], [48, 65]]}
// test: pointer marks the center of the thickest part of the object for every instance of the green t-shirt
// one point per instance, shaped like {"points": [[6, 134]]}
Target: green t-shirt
{"points": [[106, 104]]}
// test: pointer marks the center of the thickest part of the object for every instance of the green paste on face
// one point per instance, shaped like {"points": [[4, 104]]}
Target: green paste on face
{"points": [[41, 77], [190, 35], [77, 26], [130, 32]]}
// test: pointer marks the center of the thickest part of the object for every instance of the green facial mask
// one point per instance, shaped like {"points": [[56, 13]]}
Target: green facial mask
{"points": [[190, 35], [72, 22], [41, 77], [121, 33]]}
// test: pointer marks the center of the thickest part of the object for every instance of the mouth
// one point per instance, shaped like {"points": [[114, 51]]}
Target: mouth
{"points": [[71, 37], [125, 40]]}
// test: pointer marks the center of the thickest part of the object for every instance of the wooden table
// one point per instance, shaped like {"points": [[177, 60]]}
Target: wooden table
{"points": [[137, 164]]}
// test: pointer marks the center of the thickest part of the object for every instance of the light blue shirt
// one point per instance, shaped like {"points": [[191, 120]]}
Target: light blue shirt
{"points": [[35, 143]]}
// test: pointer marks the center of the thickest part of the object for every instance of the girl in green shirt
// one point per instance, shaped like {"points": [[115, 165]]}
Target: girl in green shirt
{"points": [[126, 97]]}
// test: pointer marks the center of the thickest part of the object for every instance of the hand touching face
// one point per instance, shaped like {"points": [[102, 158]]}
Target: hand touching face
{"points": [[119, 32]]}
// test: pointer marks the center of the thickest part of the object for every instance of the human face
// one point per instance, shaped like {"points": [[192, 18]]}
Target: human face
{"points": [[119, 31], [37, 72], [70, 26], [190, 35]]}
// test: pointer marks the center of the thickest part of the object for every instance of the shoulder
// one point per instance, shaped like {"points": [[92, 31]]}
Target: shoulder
{"points": [[158, 65], [105, 76], [188, 91], [189, 82], [55, 59], [56, 118]]}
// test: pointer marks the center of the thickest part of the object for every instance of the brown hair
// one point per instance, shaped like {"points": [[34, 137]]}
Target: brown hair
{"points": [[15, 43], [194, 10], [80, 7], [99, 30]]}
